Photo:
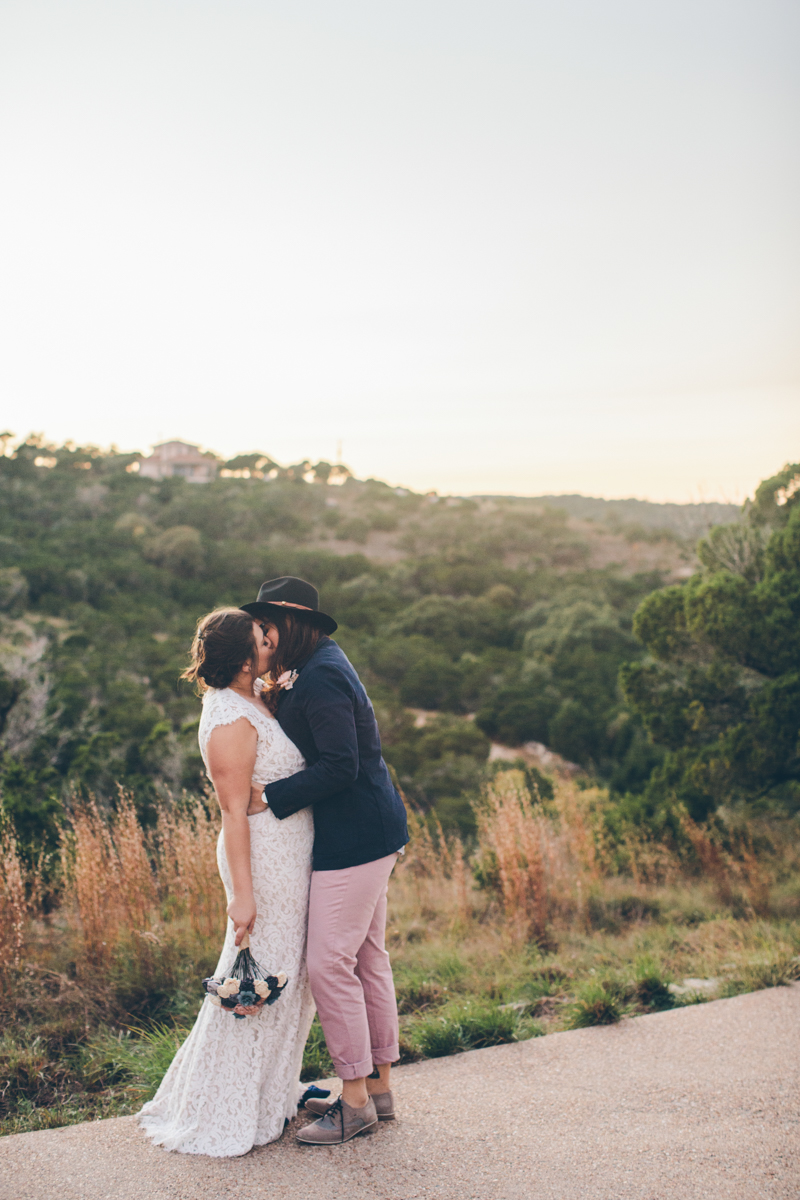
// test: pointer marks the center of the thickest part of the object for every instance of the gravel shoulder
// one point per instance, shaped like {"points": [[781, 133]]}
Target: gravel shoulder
{"points": [[696, 1103]]}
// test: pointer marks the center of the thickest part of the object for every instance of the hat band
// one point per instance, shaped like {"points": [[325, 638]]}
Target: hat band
{"points": [[289, 604]]}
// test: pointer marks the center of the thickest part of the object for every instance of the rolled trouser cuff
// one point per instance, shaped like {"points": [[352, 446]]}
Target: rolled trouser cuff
{"points": [[359, 1070], [382, 1056]]}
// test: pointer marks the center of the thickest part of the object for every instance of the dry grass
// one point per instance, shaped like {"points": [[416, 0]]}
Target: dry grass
{"points": [[108, 878], [738, 873], [546, 860], [546, 922], [14, 906], [128, 888], [539, 871], [186, 839]]}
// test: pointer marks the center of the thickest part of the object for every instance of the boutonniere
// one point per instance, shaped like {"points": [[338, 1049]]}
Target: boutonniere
{"points": [[286, 681]]}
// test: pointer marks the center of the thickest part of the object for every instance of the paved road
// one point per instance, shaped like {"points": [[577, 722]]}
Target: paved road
{"points": [[698, 1104]]}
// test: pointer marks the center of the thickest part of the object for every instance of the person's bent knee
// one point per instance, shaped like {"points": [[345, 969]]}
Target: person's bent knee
{"points": [[377, 966]]}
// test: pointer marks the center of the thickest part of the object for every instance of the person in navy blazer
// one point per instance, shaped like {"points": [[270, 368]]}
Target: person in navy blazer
{"points": [[360, 828], [358, 813]]}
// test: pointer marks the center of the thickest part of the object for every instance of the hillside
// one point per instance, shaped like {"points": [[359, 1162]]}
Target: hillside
{"points": [[513, 613], [690, 521], [372, 519]]}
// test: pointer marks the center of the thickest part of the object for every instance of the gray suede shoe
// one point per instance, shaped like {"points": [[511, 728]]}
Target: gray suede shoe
{"points": [[340, 1123], [384, 1106]]}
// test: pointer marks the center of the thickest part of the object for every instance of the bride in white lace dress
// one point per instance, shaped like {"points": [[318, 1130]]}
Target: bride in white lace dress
{"points": [[234, 1083]]}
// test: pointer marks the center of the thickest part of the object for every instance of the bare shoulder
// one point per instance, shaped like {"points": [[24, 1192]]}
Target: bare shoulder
{"points": [[242, 729], [232, 741]]}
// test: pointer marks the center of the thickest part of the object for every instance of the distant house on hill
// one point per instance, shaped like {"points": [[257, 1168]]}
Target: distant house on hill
{"points": [[179, 458]]}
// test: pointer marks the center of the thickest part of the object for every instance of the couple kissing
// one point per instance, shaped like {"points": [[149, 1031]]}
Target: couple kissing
{"points": [[311, 829]]}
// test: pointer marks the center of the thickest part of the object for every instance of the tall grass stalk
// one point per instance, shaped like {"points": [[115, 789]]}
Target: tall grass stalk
{"points": [[13, 901], [736, 870], [546, 863], [186, 838]]}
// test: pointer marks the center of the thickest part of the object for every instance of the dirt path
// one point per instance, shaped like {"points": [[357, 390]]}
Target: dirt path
{"points": [[699, 1103]]}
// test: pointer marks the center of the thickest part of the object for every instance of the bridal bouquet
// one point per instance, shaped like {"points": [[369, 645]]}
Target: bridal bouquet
{"points": [[246, 985]]}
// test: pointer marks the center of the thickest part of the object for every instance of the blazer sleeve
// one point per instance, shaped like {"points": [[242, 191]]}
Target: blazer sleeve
{"points": [[328, 706]]}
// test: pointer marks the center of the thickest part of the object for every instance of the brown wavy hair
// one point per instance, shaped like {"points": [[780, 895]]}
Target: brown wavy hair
{"points": [[297, 641], [223, 644]]}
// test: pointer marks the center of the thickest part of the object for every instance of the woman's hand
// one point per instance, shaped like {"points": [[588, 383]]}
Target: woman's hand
{"points": [[243, 914], [258, 801]]}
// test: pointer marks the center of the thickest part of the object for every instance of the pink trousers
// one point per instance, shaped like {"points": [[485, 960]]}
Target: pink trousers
{"points": [[349, 969]]}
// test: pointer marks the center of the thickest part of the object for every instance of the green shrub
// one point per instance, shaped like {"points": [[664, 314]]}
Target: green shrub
{"points": [[48, 1083], [650, 989], [354, 530], [550, 979], [438, 1037], [317, 1063], [418, 994], [596, 1004], [469, 1027], [776, 972], [489, 1026], [773, 972], [613, 914], [145, 1058], [29, 1118]]}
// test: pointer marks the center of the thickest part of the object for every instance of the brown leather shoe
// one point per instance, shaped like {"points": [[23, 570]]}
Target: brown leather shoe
{"points": [[384, 1105], [340, 1123]]}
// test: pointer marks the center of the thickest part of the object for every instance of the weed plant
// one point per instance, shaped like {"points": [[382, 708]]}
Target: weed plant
{"points": [[596, 1004]]}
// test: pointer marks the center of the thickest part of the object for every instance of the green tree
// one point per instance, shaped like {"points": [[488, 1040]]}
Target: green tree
{"points": [[565, 692], [720, 690]]}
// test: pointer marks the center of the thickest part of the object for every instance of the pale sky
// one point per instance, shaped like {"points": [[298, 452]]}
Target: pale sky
{"points": [[490, 246]]}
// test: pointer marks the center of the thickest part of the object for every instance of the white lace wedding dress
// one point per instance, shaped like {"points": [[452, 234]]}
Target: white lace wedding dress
{"points": [[233, 1083]]}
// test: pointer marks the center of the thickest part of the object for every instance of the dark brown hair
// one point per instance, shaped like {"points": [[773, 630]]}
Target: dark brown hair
{"points": [[223, 644], [297, 641]]}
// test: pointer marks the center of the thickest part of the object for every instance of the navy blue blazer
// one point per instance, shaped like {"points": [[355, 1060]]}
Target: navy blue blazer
{"points": [[358, 813]]}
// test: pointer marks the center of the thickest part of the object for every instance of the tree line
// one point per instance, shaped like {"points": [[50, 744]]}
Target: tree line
{"points": [[485, 613]]}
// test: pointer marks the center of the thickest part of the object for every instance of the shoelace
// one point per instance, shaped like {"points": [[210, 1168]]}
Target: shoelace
{"points": [[335, 1108]]}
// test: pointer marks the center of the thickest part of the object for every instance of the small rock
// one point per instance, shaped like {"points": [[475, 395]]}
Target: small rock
{"points": [[693, 985]]}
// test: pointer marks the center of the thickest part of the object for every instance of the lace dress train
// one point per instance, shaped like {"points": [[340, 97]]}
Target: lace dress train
{"points": [[233, 1084]]}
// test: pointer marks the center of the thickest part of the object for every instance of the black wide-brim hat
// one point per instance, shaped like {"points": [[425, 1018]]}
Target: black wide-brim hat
{"points": [[289, 594]]}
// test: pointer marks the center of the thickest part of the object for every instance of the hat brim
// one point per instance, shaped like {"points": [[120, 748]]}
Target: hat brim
{"points": [[264, 608]]}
